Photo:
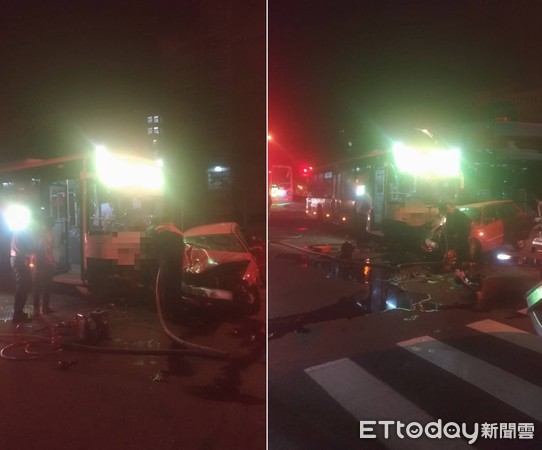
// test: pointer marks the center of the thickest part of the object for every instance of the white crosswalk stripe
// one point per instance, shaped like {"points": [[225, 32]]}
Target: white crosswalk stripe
{"points": [[509, 334], [520, 394], [366, 397]]}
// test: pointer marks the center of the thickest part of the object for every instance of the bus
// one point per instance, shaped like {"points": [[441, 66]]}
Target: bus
{"points": [[393, 190], [396, 190], [102, 204], [281, 183]]}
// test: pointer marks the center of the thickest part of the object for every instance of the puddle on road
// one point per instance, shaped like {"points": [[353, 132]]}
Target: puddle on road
{"points": [[375, 297], [387, 280], [378, 289], [345, 308]]}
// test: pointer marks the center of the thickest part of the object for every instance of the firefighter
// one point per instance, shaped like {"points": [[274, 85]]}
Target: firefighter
{"points": [[170, 244], [44, 266], [21, 254], [458, 226], [362, 206]]}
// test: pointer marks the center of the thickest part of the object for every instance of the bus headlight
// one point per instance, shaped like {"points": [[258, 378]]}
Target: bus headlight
{"points": [[17, 217]]}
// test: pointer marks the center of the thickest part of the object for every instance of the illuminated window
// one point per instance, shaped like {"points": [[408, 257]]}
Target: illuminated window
{"points": [[218, 177]]}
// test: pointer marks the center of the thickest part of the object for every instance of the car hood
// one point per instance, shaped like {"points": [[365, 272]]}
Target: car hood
{"points": [[199, 260]]}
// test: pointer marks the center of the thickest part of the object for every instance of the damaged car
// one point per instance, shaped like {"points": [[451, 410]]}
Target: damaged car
{"points": [[222, 266], [494, 224]]}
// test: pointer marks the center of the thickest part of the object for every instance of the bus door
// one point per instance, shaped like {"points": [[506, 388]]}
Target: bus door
{"points": [[64, 208], [377, 219]]}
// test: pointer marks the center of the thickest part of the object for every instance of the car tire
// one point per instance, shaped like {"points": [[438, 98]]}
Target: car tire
{"points": [[475, 250], [518, 245]]}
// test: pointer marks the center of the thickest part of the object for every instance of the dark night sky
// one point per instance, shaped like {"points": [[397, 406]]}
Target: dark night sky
{"points": [[80, 59], [357, 64]]}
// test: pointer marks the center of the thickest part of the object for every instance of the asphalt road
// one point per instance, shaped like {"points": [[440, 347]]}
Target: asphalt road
{"points": [[122, 392], [332, 367]]}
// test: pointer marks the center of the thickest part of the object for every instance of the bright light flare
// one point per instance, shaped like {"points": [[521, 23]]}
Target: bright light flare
{"points": [[122, 172], [17, 217], [434, 162], [277, 192], [504, 257], [391, 303]]}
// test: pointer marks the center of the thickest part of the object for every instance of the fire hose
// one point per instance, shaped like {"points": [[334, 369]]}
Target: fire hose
{"points": [[54, 342]]}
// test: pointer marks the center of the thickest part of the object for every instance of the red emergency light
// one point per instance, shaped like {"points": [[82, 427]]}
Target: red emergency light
{"points": [[306, 170]]}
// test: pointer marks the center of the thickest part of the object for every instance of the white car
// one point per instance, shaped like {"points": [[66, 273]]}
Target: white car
{"points": [[222, 267]]}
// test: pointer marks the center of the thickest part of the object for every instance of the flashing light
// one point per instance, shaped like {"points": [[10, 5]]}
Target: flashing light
{"points": [[17, 217], [433, 162], [504, 257], [360, 190], [218, 169], [534, 296], [123, 172], [391, 303], [306, 170], [277, 192]]}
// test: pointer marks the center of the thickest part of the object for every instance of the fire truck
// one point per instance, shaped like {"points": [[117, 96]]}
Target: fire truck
{"points": [[102, 204]]}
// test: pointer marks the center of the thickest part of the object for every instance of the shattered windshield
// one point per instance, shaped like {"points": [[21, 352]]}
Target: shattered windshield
{"points": [[473, 213], [218, 242]]}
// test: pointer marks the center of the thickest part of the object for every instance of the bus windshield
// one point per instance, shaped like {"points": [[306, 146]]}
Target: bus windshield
{"points": [[111, 210]]}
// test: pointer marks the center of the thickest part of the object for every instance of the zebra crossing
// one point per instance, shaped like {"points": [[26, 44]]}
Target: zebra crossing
{"points": [[371, 398]]}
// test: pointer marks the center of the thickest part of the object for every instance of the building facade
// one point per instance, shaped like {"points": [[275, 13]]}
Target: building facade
{"points": [[214, 111]]}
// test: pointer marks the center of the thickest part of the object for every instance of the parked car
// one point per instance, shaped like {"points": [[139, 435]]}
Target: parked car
{"points": [[223, 266], [494, 224]]}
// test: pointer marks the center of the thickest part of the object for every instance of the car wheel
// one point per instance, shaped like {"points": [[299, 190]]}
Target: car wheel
{"points": [[518, 245], [475, 250]]}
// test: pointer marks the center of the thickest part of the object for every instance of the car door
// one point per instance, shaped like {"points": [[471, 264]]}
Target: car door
{"points": [[507, 215], [492, 228], [255, 247], [517, 223], [523, 223]]}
